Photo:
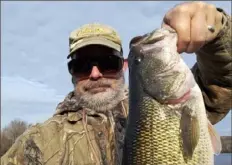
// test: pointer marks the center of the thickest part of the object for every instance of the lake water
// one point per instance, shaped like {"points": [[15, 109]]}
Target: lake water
{"points": [[223, 159]]}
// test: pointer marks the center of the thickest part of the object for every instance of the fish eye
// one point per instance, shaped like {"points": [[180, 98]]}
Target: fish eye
{"points": [[139, 57], [138, 60]]}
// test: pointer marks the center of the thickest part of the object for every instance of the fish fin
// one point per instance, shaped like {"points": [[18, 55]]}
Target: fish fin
{"points": [[215, 139], [190, 131]]}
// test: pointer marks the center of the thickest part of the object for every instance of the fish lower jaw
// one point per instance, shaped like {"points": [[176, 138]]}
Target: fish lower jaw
{"points": [[182, 99]]}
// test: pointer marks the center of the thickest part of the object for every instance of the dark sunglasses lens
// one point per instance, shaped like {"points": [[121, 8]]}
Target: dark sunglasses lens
{"points": [[110, 64], [79, 67], [106, 64]]}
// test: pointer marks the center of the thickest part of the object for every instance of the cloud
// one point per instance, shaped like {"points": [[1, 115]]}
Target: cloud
{"points": [[27, 99], [31, 112], [22, 90]]}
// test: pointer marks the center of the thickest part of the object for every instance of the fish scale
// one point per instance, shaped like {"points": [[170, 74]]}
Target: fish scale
{"points": [[164, 135], [158, 132]]}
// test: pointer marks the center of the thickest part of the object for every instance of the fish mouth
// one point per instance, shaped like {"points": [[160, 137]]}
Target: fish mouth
{"points": [[182, 99]]}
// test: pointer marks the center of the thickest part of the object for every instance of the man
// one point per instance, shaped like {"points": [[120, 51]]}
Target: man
{"points": [[88, 126]]}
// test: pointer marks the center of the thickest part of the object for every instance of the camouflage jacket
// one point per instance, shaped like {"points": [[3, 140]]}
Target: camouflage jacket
{"points": [[79, 136], [213, 72]]}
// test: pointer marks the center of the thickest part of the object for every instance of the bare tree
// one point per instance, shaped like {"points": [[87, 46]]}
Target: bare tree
{"points": [[5, 143], [10, 133]]}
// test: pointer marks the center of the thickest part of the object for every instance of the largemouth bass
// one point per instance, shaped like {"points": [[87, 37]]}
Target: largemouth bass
{"points": [[167, 121]]}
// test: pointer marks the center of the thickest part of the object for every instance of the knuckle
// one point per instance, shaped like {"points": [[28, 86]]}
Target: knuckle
{"points": [[194, 46], [199, 39], [200, 4], [211, 7], [169, 17], [185, 40], [184, 27], [181, 9], [219, 17]]}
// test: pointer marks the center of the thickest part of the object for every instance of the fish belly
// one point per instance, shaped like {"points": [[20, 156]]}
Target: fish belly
{"points": [[153, 137]]}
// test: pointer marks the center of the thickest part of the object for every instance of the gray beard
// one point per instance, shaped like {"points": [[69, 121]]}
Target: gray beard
{"points": [[104, 101]]}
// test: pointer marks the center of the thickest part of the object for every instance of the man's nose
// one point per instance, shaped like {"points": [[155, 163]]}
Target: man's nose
{"points": [[95, 73]]}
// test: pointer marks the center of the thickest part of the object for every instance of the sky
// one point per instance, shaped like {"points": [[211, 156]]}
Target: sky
{"points": [[34, 47]]}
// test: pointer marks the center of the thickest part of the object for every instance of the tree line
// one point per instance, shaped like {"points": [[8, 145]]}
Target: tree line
{"points": [[10, 133]]}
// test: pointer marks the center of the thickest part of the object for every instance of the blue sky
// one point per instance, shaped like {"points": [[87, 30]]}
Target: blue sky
{"points": [[34, 46]]}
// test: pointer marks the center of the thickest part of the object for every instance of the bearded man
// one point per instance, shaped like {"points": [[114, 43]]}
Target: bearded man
{"points": [[88, 126]]}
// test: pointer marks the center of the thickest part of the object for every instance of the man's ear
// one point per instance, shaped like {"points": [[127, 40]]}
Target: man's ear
{"points": [[125, 65]]}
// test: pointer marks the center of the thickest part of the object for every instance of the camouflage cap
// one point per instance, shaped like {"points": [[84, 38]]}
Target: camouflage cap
{"points": [[94, 33]]}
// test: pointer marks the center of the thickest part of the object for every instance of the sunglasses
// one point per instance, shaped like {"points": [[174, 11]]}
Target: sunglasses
{"points": [[107, 64]]}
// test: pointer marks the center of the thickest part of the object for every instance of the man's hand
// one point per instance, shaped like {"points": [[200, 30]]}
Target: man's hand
{"points": [[190, 20]]}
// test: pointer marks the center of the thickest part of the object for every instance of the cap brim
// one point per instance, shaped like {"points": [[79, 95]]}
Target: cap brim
{"points": [[97, 41]]}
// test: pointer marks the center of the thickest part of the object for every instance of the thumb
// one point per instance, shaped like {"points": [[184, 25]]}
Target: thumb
{"points": [[164, 25]]}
